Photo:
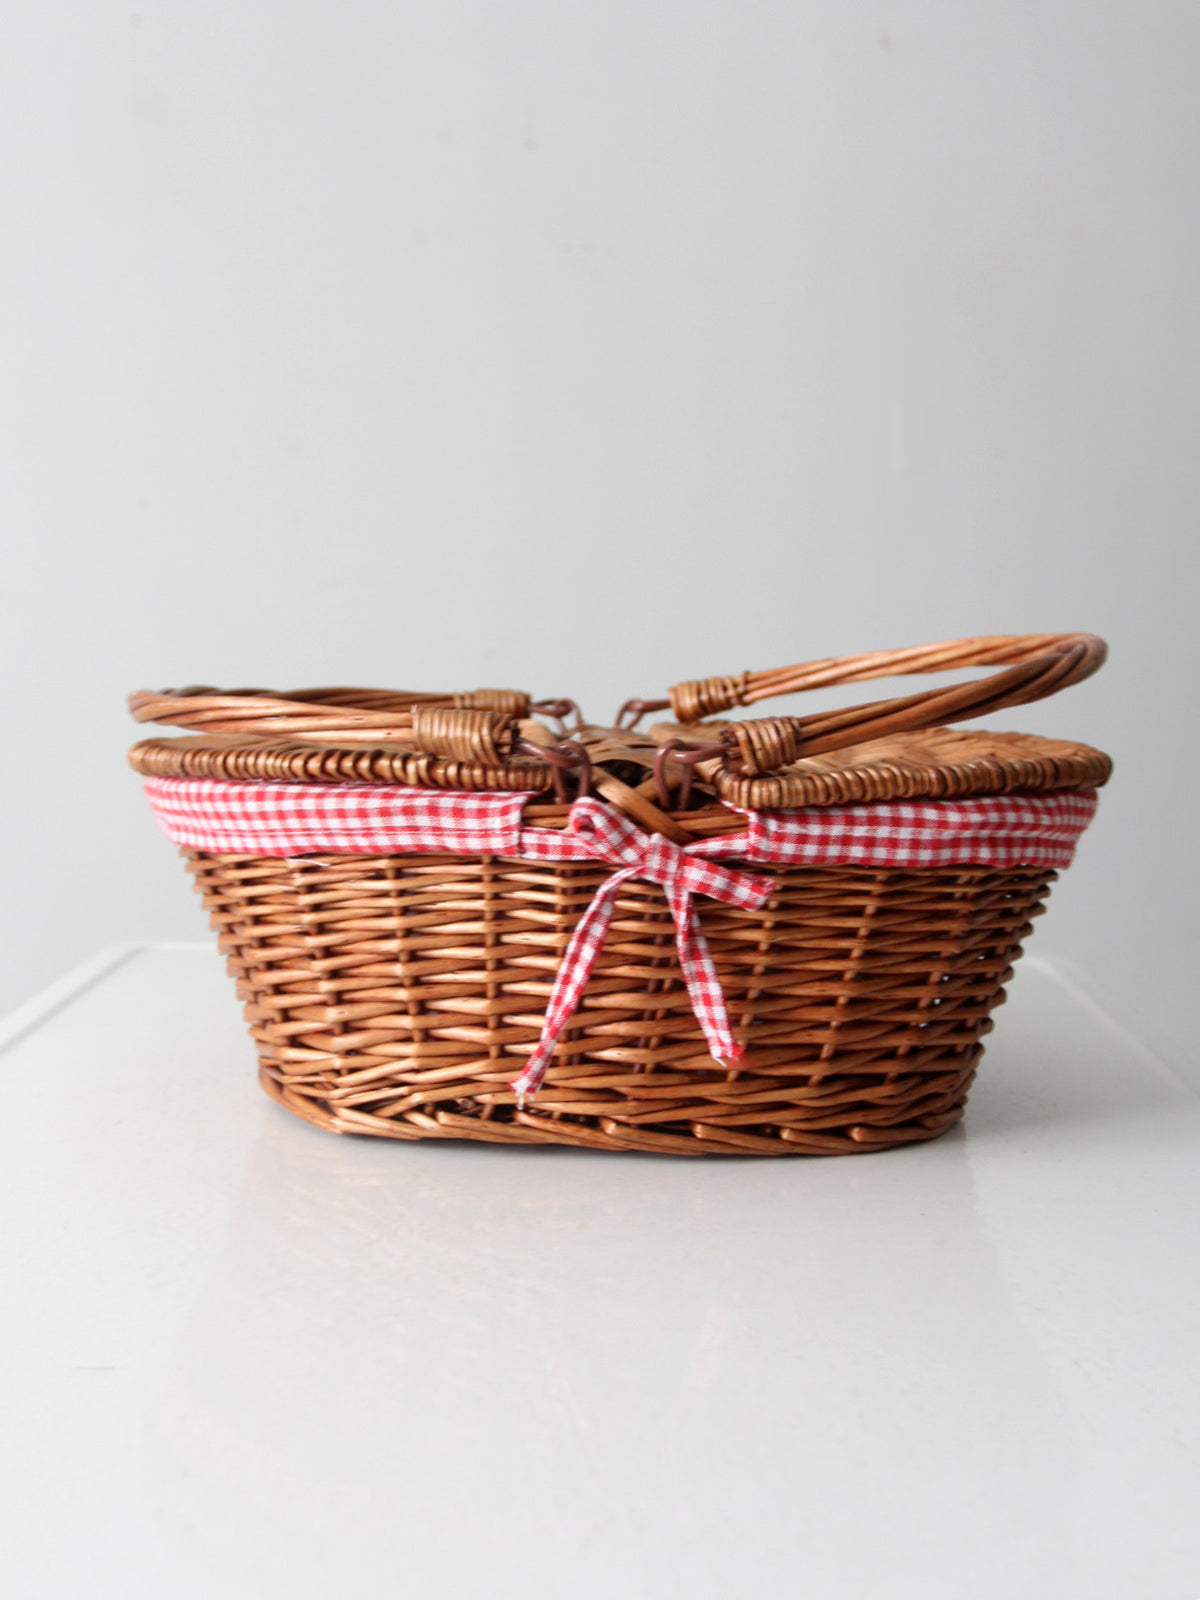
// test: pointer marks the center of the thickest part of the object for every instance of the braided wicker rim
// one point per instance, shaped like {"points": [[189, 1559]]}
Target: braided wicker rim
{"points": [[940, 762], [294, 761]]}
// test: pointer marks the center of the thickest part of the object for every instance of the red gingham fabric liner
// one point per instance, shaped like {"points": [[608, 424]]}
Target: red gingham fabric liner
{"points": [[995, 830], [292, 819], [295, 819]]}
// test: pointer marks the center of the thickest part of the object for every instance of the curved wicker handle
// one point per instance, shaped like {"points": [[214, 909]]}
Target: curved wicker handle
{"points": [[330, 713], [1037, 665], [480, 726]]}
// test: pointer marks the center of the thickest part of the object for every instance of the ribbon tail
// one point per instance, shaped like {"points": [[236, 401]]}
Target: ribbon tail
{"points": [[573, 973], [700, 975]]}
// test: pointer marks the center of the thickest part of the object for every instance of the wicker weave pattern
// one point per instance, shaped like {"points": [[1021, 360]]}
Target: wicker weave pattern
{"points": [[290, 761], [398, 996]]}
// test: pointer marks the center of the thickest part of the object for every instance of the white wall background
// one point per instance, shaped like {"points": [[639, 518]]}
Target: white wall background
{"points": [[584, 347]]}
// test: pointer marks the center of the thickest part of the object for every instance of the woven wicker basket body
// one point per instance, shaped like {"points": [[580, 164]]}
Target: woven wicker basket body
{"points": [[386, 995], [400, 995]]}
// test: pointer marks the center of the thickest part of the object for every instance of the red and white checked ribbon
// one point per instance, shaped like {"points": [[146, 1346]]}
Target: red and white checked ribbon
{"points": [[599, 834]]}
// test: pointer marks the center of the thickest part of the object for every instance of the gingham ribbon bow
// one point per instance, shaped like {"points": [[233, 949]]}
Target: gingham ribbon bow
{"points": [[596, 833]]}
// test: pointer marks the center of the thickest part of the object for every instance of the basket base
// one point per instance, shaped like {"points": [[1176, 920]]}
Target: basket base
{"points": [[527, 1129]]}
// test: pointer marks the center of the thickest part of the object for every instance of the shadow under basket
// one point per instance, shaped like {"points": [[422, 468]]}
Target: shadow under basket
{"points": [[413, 983], [862, 998]]}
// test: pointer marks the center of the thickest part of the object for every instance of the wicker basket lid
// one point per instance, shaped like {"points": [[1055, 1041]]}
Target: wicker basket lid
{"points": [[493, 740]]}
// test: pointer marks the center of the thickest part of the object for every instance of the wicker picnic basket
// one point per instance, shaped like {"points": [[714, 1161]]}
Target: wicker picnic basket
{"points": [[404, 990]]}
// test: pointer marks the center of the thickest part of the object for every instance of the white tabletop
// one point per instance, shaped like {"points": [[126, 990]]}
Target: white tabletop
{"points": [[243, 1357]]}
